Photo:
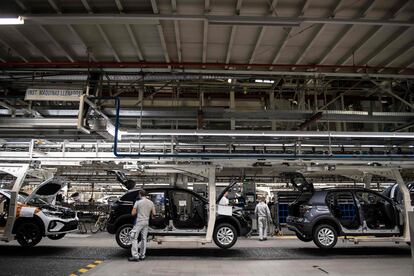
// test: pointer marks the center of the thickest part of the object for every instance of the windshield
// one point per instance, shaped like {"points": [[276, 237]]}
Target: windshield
{"points": [[20, 198]]}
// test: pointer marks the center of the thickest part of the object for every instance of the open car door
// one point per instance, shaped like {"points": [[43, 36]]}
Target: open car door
{"points": [[299, 182], [228, 188]]}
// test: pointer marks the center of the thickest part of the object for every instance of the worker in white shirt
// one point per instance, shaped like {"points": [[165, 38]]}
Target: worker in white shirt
{"points": [[224, 200], [262, 213]]}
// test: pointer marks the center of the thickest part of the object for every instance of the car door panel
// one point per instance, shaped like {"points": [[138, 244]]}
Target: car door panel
{"points": [[160, 220], [187, 210]]}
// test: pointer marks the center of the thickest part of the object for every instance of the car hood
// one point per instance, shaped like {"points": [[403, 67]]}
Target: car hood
{"points": [[46, 190], [231, 185]]}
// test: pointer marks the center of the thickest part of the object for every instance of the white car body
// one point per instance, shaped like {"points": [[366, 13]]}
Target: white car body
{"points": [[55, 220]]}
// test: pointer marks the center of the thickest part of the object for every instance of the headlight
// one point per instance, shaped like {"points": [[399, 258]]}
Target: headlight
{"points": [[51, 213]]}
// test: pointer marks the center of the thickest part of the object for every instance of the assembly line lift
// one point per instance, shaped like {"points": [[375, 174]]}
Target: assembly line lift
{"points": [[208, 172], [21, 170]]}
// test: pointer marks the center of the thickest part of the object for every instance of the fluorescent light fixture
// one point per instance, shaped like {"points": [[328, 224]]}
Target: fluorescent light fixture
{"points": [[264, 81], [11, 21]]}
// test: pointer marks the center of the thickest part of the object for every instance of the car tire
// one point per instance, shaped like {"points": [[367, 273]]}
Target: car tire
{"points": [[302, 238], [122, 236], [28, 234], [225, 235], [56, 237], [325, 236]]}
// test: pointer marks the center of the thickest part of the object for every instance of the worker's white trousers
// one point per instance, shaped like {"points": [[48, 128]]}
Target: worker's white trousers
{"points": [[141, 228], [262, 227]]}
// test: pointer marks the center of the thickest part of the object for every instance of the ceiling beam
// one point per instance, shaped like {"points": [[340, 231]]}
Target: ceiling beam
{"points": [[319, 30], [54, 6], [207, 6], [135, 42], [119, 6], [76, 34], [108, 43], [233, 32], [31, 44], [130, 32], [364, 11], [394, 37], [205, 41], [13, 49], [400, 52], [257, 44], [407, 65], [153, 19], [205, 32], [21, 5], [101, 31], [394, 12], [287, 34], [87, 6], [50, 37], [272, 11], [160, 32], [177, 31]]}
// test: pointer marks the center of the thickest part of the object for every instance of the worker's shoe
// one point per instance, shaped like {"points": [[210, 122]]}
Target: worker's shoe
{"points": [[141, 258], [260, 239], [133, 259], [265, 239]]}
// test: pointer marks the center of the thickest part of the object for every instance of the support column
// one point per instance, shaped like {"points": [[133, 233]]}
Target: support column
{"points": [[406, 201], [411, 223], [272, 107], [211, 202], [232, 107], [367, 181], [343, 108], [140, 103]]}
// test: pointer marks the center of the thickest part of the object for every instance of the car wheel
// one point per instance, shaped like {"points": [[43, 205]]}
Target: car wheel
{"points": [[325, 236], [122, 236], [28, 234], [225, 235], [56, 237], [302, 238]]}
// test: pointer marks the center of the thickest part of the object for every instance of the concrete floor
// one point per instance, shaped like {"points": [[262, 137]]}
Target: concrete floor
{"points": [[99, 255], [374, 267]]}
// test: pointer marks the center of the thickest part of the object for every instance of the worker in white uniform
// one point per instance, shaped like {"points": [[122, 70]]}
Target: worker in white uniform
{"points": [[262, 213], [143, 208], [224, 200]]}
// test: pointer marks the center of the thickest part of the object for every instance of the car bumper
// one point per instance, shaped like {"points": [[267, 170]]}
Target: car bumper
{"points": [[298, 225], [62, 226], [111, 228]]}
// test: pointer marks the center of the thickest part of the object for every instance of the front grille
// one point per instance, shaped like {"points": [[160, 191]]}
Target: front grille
{"points": [[71, 225], [68, 215]]}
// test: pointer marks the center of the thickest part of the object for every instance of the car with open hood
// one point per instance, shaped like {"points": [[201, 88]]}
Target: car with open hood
{"points": [[36, 216], [180, 212], [323, 215]]}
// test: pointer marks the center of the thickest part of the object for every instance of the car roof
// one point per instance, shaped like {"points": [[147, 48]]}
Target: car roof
{"points": [[345, 190]]}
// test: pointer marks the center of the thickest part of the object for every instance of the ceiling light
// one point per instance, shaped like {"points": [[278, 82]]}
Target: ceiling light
{"points": [[11, 21], [229, 80], [264, 81]]}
